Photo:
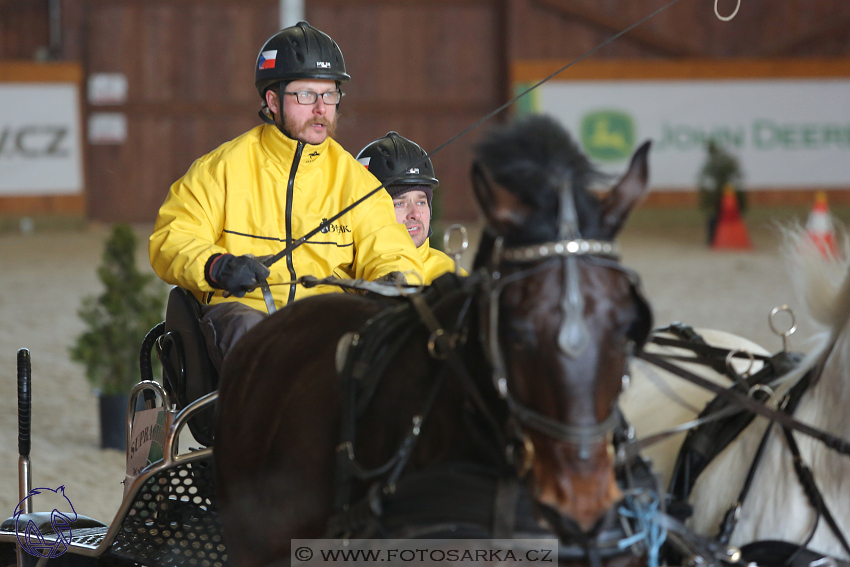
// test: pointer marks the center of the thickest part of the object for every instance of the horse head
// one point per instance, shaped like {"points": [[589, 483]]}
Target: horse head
{"points": [[561, 315]]}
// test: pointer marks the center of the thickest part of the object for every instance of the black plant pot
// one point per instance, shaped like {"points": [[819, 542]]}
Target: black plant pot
{"points": [[113, 421]]}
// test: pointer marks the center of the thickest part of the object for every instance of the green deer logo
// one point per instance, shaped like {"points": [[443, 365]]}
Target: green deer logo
{"points": [[608, 135]]}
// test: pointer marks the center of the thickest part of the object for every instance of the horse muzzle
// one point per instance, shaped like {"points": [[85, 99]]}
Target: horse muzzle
{"points": [[583, 493]]}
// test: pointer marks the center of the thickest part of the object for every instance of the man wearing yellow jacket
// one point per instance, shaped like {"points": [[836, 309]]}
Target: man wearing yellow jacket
{"points": [[256, 194], [410, 180]]}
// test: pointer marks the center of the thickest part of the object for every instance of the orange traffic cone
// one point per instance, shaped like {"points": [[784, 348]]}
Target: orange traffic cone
{"points": [[819, 226], [730, 232]]}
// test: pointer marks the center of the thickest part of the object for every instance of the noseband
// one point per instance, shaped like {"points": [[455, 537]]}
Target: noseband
{"points": [[573, 336]]}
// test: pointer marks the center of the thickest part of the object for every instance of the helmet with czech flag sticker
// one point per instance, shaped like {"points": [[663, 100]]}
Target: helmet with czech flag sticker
{"points": [[298, 52]]}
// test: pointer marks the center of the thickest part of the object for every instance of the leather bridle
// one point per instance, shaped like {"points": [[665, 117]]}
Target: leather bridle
{"points": [[573, 336]]}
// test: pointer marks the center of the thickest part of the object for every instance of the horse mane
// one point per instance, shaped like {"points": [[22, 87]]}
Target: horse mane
{"points": [[821, 282], [532, 157], [776, 507]]}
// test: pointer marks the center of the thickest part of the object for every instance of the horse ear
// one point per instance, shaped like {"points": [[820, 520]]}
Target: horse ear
{"points": [[502, 209], [627, 192]]}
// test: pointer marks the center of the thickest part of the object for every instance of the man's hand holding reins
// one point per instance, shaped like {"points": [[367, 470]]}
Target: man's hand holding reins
{"points": [[237, 275]]}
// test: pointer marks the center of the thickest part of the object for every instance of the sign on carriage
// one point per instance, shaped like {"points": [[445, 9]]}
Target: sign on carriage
{"points": [[40, 148], [788, 132], [146, 444]]}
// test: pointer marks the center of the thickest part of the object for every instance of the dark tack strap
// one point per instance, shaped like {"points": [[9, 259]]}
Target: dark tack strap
{"points": [[833, 442]]}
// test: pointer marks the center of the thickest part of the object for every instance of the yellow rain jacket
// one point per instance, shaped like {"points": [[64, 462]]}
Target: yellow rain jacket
{"points": [[260, 191], [436, 262]]}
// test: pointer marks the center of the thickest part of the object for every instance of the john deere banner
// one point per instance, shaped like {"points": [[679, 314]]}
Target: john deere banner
{"points": [[786, 133], [40, 148]]}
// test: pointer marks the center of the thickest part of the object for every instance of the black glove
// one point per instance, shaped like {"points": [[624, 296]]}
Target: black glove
{"points": [[234, 274], [396, 278]]}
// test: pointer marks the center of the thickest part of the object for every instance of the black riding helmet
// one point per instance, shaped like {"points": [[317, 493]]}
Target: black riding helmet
{"points": [[398, 163], [396, 156], [298, 52]]}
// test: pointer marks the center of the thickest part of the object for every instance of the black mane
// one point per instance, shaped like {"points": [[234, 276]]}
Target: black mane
{"points": [[532, 157]]}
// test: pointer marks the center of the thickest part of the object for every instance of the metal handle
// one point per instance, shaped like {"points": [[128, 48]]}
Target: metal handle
{"points": [[24, 420], [24, 401]]}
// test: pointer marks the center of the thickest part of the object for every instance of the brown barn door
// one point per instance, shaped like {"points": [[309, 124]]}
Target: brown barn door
{"points": [[426, 69], [188, 70]]}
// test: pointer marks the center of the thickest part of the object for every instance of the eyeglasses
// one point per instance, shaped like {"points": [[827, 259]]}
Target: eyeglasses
{"points": [[309, 97]]}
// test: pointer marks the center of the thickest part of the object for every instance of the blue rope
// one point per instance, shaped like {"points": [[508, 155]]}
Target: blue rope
{"points": [[643, 507]]}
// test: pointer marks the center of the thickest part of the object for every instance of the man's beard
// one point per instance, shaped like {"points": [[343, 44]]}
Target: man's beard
{"points": [[296, 131]]}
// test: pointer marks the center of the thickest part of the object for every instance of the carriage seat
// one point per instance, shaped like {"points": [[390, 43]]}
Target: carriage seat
{"points": [[188, 372]]}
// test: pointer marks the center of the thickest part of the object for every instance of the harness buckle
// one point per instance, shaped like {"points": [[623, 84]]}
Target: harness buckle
{"points": [[434, 342], [347, 448]]}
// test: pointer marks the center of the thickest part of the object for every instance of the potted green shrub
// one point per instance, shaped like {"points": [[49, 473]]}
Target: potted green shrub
{"points": [[116, 323], [720, 168]]}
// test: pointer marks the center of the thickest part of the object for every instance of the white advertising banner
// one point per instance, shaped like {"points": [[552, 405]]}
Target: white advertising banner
{"points": [[785, 133], [40, 148]]}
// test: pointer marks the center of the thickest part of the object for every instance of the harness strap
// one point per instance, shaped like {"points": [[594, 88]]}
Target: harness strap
{"points": [[504, 506], [789, 405], [832, 441], [804, 473], [730, 519], [349, 469], [709, 355], [446, 346], [813, 493], [441, 346], [559, 430]]}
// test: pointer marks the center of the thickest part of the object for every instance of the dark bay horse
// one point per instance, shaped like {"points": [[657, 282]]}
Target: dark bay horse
{"points": [[515, 369]]}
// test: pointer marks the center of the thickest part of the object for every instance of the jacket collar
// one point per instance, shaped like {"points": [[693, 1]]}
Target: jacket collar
{"points": [[282, 148]]}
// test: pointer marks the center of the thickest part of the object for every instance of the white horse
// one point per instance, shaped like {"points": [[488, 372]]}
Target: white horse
{"points": [[776, 507], [657, 401]]}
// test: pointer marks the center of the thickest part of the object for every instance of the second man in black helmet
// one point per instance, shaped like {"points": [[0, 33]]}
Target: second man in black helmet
{"points": [[258, 193], [409, 177]]}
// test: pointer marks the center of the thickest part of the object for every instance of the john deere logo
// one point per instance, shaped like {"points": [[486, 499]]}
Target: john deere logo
{"points": [[608, 135]]}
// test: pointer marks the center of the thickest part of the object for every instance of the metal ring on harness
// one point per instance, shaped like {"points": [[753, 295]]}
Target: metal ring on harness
{"points": [[729, 357], [790, 331], [456, 253], [433, 348], [771, 395]]}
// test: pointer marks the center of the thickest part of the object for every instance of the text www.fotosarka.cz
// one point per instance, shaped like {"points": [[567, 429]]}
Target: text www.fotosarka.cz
{"points": [[408, 552]]}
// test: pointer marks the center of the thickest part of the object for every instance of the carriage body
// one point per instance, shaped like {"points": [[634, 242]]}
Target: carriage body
{"points": [[168, 515]]}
